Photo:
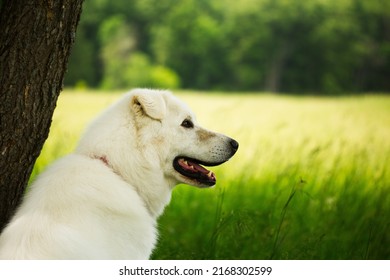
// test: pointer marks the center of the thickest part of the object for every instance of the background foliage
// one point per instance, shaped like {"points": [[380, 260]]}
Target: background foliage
{"points": [[328, 46]]}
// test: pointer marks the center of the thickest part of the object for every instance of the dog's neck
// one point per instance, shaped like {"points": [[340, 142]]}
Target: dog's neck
{"points": [[155, 202]]}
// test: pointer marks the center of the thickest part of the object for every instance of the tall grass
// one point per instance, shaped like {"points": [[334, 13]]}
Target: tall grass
{"points": [[310, 180]]}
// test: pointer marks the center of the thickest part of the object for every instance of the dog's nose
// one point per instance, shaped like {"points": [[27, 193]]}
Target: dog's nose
{"points": [[234, 144]]}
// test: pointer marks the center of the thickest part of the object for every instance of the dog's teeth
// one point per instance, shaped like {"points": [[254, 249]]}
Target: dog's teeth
{"points": [[209, 174]]}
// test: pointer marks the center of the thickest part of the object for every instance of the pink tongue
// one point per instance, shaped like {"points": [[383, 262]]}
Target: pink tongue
{"points": [[200, 168], [196, 166]]}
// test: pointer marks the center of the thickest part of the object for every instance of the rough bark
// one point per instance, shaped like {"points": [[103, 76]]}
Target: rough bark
{"points": [[35, 41]]}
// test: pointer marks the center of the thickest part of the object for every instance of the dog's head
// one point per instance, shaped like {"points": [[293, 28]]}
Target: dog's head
{"points": [[151, 133], [170, 129]]}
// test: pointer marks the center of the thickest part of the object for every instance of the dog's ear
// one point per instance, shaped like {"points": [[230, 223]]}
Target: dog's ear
{"points": [[148, 102]]}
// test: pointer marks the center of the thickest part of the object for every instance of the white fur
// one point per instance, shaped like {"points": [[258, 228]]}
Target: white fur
{"points": [[102, 201]]}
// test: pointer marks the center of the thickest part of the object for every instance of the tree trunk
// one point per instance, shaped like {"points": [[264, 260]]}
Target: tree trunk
{"points": [[274, 74], [35, 41]]}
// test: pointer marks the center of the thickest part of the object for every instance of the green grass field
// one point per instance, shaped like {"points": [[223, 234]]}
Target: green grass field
{"points": [[311, 179]]}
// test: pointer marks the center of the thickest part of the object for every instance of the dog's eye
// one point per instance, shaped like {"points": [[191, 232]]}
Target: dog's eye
{"points": [[187, 124]]}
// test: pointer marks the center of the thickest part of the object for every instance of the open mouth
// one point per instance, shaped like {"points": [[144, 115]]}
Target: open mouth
{"points": [[192, 169]]}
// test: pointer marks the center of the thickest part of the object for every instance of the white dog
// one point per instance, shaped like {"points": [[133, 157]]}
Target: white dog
{"points": [[102, 201]]}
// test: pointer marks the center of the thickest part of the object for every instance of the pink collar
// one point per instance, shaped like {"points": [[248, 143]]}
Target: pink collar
{"points": [[104, 160]]}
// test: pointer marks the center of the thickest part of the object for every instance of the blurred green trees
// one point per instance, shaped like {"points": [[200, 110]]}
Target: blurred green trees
{"points": [[325, 46]]}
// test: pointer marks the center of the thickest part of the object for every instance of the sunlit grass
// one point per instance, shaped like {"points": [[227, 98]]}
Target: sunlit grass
{"points": [[311, 178]]}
